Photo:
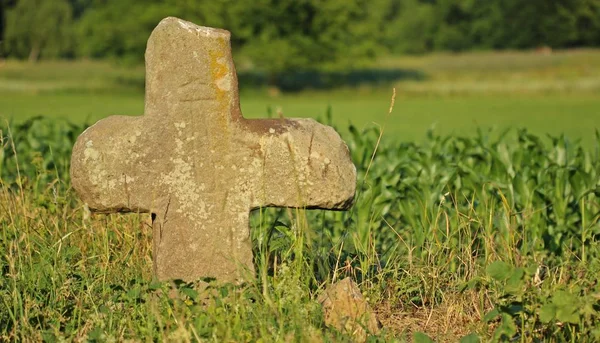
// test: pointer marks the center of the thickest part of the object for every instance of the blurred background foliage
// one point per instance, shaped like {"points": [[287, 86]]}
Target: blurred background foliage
{"points": [[278, 36]]}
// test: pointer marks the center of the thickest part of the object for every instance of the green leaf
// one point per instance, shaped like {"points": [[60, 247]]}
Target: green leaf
{"points": [[419, 337], [134, 293], [499, 270], [103, 309], [96, 334], [547, 313], [470, 338], [567, 307], [154, 285], [567, 314], [191, 293], [514, 284], [493, 314], [506, 330], [587, 309], [596, 334], [563, 298], [474, 282]]}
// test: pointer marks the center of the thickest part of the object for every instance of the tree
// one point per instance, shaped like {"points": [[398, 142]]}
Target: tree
{"points": [[108, 29], [38, 28], [4, 5], [279, 36], [412, 28], [276, 35], [588, 23], [305, 35]]}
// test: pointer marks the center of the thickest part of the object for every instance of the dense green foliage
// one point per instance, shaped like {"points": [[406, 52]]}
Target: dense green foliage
{"points": [[278, 36], [500, 234], [498, 24], [39, 27]]}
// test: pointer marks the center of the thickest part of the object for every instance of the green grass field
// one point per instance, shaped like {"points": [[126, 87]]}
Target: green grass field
{"points": [[457, 234], [552, 94]]}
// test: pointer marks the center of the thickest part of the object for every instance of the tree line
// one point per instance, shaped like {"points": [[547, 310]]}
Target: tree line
{"points": [[283, 35]]}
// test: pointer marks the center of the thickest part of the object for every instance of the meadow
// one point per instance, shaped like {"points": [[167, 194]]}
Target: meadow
{"points": [[454, 94], [457, 234]]}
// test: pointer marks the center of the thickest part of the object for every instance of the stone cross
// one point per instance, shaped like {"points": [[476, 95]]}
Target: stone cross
{"points": [[198, 166]]}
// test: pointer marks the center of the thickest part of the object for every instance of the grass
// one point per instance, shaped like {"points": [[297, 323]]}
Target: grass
{"points": [[457, 237], [456, 94], [576, 115], [457, 233]]}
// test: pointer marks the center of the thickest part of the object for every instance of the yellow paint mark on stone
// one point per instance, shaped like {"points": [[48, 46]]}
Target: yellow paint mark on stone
{"points": [[222, 83]]}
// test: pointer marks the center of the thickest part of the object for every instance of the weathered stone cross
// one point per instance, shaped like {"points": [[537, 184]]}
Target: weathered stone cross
{"points": [[198, 166]]}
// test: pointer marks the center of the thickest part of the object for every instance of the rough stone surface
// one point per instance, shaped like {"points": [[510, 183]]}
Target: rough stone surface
{"points": [[198, 166], [346, 309]]}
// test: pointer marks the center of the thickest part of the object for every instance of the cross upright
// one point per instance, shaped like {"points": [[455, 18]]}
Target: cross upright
{"points": [[198, 166]]}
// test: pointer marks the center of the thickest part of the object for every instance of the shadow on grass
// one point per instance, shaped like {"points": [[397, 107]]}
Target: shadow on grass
{"points": [[319, 80], [310, 79], [137, 82]]}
